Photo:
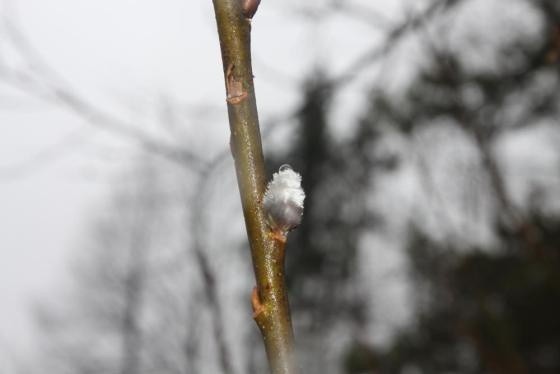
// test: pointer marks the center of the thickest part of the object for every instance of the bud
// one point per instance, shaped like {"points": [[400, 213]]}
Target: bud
{"points": [[283, 201], [250, 7]]}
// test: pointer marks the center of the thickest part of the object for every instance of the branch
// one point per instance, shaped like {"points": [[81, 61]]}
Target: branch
{"points": [[362, 13], [272, 316], [42, 81], [65, 96], [43, 157], [209, 280], [396, 34]]}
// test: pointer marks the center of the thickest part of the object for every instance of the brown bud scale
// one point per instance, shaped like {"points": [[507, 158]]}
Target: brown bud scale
{"points": [[250, 7]]}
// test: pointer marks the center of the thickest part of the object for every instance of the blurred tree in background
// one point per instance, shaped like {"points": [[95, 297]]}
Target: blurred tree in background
{"points": [[482, 306], [134, 300]]}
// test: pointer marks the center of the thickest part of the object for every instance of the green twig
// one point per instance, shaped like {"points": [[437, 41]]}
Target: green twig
{"points": [[270, 300]]}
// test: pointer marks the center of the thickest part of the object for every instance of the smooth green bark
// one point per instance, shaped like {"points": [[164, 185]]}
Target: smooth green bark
{"points": [[272, 315]]}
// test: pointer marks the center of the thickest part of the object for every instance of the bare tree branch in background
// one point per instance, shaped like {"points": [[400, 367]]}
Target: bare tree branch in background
{"points": [[209, 281], [42, 81], [134, 282], [364, 14], [112, 291], [394, 35], [43, 157], [351, 9], [484, 131]]}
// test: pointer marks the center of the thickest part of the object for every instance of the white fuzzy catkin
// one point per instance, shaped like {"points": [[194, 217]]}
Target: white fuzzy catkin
{"points": [[283, 200]]}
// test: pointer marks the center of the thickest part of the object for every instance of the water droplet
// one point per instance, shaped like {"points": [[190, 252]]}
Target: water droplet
{"points": [[285, 167]]}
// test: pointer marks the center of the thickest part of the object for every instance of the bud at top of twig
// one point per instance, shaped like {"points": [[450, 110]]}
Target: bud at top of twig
{"points": [[250, 7], [283, 200]]}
